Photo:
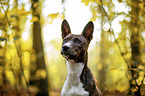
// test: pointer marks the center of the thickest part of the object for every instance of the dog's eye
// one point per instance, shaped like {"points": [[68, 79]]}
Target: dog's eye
{"points": [[78, 41]]}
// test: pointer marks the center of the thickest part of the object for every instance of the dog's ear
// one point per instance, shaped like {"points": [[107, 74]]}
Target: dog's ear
{"points": [[65, 28], [88, 31]]}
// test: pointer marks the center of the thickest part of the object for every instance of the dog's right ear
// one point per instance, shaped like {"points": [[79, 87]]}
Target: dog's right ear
{"points": [[65, 28]]}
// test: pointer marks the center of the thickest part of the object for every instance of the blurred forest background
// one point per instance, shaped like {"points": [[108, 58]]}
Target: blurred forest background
{"points": [[30, 43]]}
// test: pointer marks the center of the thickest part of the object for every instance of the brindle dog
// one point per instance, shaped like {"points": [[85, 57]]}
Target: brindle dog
{"points": [[80, 80]]}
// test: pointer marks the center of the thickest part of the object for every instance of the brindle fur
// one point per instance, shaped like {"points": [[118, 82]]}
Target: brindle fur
{"points": [[78, 53], [79, 50]]}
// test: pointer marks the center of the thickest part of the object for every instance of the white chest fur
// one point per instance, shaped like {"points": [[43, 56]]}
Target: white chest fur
{"points": [[73, 85]]}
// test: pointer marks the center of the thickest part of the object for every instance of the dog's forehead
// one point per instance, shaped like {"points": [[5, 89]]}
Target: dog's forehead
{"points": [[72, 36]]}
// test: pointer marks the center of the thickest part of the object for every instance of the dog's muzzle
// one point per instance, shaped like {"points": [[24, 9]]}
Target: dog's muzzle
{"points": [[67, 52]]}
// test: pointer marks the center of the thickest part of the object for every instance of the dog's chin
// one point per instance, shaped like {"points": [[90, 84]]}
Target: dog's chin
{"points": [[75, 58], [68, 56]]}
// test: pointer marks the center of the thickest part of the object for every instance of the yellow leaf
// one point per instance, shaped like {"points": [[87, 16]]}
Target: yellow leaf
{"points": [[141, 5], [26, 13], [35, 5], [52, 17], [41, 73], [98, 2], [94, 14], [134, 89], [34, 19], [62, 16], [22, 12], [4, 2], [105, 3], [86, 2]]}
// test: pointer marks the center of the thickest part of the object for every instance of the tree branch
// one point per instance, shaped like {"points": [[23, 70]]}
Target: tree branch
{"points": [[5, 14], [111, 30], [15, 79], [21, 66], [18, 52], [6, 46]]}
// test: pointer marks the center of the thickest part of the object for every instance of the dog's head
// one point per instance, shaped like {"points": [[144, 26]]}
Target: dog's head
{"points": [[74, 47]]}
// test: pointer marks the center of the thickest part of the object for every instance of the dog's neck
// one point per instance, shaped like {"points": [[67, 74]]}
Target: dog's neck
{"points": [[74, 71], [73, 67], [73, 85]]}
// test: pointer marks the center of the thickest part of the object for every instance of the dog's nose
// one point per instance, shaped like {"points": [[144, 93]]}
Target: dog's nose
{"points": [[65, 48]]}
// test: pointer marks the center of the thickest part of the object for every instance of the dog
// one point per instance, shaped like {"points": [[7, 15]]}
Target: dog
{"points": [[79, 80]]}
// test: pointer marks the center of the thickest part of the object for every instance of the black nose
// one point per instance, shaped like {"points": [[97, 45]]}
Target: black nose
{"points": [[65, 48]]}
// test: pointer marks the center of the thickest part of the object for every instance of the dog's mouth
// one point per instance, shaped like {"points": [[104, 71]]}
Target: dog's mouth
{"points": [[68, 55]]}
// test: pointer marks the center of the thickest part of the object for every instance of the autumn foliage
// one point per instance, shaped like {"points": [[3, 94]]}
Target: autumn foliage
{"points": [[31, 64]]}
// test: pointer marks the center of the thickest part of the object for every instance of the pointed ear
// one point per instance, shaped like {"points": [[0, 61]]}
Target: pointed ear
{"points": [[65, 28], [88, 31]]}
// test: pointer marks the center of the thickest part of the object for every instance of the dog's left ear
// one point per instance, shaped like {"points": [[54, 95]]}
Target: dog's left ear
{"points": [[65, 28], [88, 31]]}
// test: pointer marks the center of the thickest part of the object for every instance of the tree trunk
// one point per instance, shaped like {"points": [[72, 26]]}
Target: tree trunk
{"points": [[17, 30], [103, 56], [135, 47], [39, 74]]}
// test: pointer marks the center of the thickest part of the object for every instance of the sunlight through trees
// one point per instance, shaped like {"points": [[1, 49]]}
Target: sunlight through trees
{"points": [[30, 44]]}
